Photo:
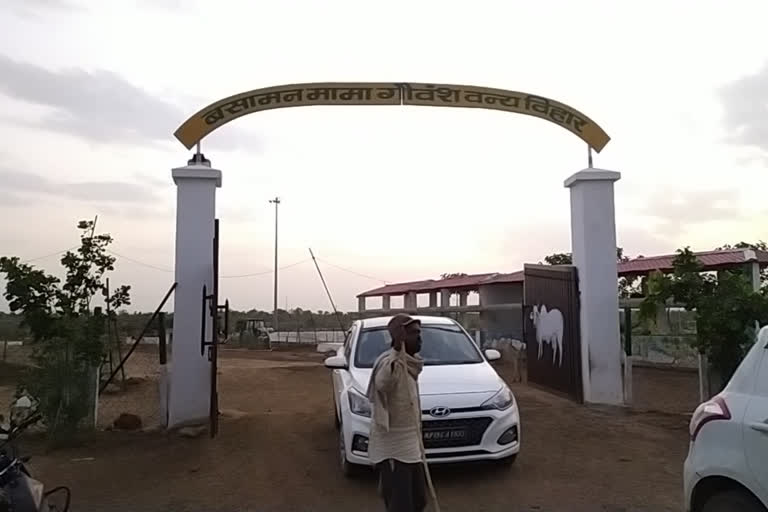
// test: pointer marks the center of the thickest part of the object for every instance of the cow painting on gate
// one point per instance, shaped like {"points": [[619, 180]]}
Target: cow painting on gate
{"points": [[549, 330], [551, 322]]}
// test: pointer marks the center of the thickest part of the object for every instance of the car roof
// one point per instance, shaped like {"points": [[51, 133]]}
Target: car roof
{"points": [[382, 321]]}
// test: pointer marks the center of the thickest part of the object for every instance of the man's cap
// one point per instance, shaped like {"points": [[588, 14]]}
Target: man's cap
{"points": [[401, 320]]}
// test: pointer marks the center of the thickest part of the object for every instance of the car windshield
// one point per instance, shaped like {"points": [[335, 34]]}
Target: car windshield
{"points": [[441, 344]]}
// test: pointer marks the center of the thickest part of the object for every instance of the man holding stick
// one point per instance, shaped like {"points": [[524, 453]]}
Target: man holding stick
{"points": [[395, 445]]}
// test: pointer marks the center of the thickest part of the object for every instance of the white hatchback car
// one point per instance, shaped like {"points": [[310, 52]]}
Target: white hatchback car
{"points": [[727, 465], [468, 414]]}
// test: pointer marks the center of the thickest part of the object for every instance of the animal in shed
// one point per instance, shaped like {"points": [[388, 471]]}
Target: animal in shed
{"points": [[512, 352]]}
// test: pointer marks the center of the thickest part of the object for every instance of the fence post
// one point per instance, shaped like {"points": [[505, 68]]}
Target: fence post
{"points": [[161, 344], [5, 349], [162, 381], [628, 356], [703, 377], [628, 331]]}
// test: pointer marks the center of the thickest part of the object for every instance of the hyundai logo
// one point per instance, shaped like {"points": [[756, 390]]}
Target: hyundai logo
{"points": [[439, 412]]}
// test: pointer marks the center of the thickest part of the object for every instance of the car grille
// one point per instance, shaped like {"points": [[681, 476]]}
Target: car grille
{"points": [[441, 433]]}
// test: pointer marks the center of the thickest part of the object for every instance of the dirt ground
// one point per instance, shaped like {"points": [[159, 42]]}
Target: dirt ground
{"points": [[276, 449]]}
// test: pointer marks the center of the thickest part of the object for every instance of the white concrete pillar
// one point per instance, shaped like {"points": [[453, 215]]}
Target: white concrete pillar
{"points": [[409, 302], [361, 304], [445, 298], [593, 243], [190, 373], [433, 299], [463, 298], [752, 268], [386, 302]]}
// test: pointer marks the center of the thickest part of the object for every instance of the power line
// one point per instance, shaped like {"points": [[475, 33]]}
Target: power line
{"points": [[138, 262], [353, 272], [51, 254], [254, 274], [236, 276], [267, 271]]}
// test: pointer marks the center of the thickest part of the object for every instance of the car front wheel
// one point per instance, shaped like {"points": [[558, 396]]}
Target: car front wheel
{"points": [[733, 501]]}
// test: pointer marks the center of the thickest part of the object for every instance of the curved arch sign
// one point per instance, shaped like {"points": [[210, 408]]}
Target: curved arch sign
{"points": [[434, 95]]}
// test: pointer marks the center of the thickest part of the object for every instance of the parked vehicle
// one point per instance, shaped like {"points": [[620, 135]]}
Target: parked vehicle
{"points": [[468, 412], [727, 465], [19, 492]]}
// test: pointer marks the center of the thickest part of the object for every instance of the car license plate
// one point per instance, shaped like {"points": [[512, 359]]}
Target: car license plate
{"points": [[445, 435]]}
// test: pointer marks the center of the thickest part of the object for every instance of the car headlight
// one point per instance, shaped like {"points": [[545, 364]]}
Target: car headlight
{"points": [[359, 404], [502, 400]]}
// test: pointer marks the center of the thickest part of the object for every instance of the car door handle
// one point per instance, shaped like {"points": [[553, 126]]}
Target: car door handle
{"points": [[759, 426]]}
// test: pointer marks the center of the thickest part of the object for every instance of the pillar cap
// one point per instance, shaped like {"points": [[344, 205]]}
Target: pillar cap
{"points": [[592, 175], [750, 255], [196, 171]]}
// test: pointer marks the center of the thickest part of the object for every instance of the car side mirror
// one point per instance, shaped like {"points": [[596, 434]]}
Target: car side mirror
{"points": [[492, 354], [336, 363]]}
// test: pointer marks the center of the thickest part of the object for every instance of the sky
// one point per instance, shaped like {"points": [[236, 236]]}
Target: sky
{"points": [[92, 91]]}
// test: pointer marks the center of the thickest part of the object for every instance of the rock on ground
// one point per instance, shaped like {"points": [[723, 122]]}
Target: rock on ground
{"points": [[127, 421]]}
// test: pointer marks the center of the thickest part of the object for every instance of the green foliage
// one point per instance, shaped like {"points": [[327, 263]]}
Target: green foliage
{"points": [[758, 246], [726, 308], [559, 258], [67, 337], [453, 275]]}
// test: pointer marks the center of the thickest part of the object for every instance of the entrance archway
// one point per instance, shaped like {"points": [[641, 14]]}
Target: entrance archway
{"points": [[228, 109], [593, 230]]}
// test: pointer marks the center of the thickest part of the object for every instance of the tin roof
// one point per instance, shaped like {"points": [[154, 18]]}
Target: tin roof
{"points": [[710, 260], [430, 285]]}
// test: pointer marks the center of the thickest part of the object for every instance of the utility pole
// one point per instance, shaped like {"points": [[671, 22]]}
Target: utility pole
{"points": [[276, 202]]}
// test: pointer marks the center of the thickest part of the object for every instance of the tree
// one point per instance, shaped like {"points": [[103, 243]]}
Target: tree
{"points": [[758, 246], [726, 309], [559, 258], [453, 276], [67, 336]]}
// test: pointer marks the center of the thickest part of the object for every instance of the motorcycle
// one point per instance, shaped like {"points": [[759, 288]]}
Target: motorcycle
{"points": [[19, 492]]}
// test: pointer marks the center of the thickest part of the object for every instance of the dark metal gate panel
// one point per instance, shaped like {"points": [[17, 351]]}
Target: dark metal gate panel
{"points": [[551, 328], [211, 306], [213, 355]]}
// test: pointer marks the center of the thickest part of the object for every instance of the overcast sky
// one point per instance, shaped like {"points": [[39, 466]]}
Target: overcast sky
{"points": [[91, 92]]}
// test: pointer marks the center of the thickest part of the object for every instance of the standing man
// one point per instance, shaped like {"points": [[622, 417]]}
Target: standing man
{"points": [[395, 445]]}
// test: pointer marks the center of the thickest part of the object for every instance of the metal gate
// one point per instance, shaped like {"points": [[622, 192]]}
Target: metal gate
{"points": [[211, 306], [551, 328]]}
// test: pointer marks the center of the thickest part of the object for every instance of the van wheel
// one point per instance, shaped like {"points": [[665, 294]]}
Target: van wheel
{"points": [[733, 501]]}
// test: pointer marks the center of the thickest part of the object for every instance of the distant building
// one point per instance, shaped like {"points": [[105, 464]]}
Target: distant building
{"points": [[501, 295]]}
